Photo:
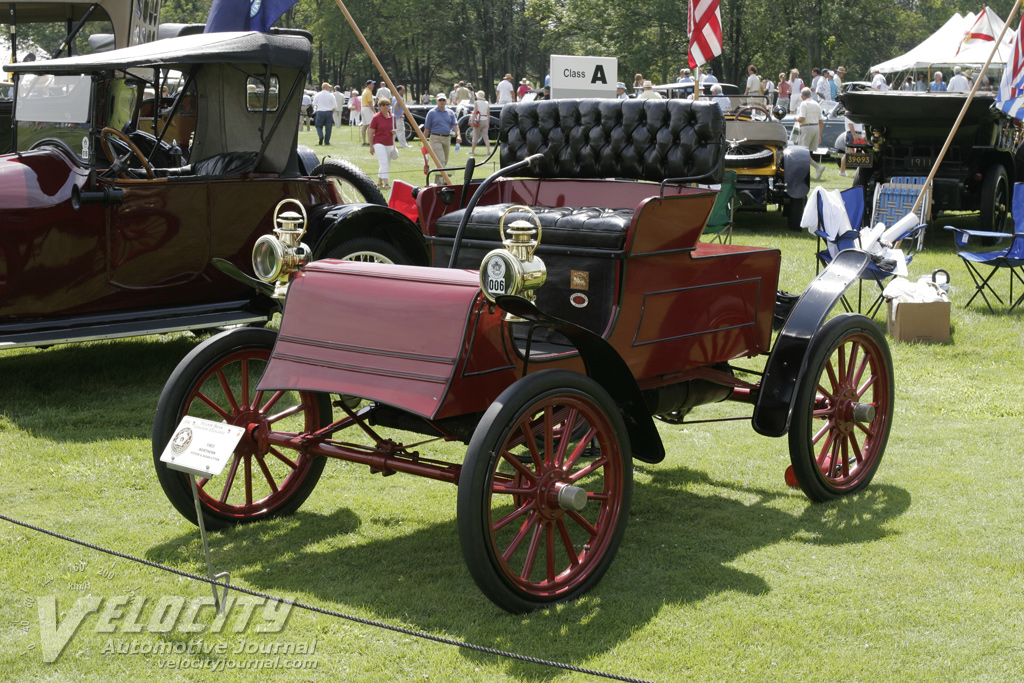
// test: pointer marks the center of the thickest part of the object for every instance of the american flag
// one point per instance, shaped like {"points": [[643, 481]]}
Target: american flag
{"points": [[1010, 99], [704, 24]]}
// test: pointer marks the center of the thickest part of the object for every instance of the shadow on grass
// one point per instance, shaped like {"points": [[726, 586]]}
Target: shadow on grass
{"points": [[81, 392], [684, 531]]}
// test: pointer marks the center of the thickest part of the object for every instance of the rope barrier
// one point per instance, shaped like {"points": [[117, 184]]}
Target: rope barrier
{"points": [[328, 612]]}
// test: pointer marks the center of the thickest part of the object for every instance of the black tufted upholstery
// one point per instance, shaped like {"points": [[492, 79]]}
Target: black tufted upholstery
{"points": [[606, 138], [564, 226]]}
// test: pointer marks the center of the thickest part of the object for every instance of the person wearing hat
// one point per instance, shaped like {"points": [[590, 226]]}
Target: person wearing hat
{"points": [[524, 87], [648, 93], [438, 128], [823, 91], [462, 93], [506, 93], [620, 91], [366, 111], [480, 121], [545, 94], [684, 77], [838, 77]]}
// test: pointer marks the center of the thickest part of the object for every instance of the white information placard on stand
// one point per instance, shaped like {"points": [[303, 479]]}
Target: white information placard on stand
{"points": [[575, 76], [201, 447]]}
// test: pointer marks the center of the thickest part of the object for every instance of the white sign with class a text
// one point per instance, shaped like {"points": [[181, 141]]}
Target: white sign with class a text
{"points": [[574, 76], [201, 447]]}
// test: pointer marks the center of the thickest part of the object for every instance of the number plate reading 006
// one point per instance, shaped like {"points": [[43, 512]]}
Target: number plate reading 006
{"points": [[858, 159]]}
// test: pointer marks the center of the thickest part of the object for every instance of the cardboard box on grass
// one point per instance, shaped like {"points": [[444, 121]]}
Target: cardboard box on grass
{"points": [[914, 321]]}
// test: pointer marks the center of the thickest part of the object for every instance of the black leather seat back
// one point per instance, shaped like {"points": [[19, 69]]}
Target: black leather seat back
{"points": [[608, 138]]}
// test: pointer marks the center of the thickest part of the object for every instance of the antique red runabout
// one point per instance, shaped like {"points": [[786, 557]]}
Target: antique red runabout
{"points": [[574, 310]]}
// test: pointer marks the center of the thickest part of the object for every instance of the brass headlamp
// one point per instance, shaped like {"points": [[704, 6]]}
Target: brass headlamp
{"points": [[514, 270], [275, 258]]}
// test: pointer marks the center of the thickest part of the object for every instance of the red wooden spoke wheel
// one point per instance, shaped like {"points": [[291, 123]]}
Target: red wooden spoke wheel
{"points": [[217, 381], [545, 490], [843, 412]]}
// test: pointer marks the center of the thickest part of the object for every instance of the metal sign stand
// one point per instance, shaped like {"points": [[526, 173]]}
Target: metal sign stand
{"points": [[219, 598]]}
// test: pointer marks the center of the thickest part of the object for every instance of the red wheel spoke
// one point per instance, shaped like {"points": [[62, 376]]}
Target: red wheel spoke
{"points": [[825, 429], [248, 480], [226, 387], [566, 436], [833, 380], [266, 406], [580, 449], [867, 429], [563, 532], [864, 363], [512, 516], [826, 448], [523, 530], [589, 469], [587, 526], [841, 366], [245, 383], [224, 414], [855, 352], [549, 429], [603, 495], [531, 551], [531, 443], [549, 551], [519, 466], [230, 479], [283, 458], [266, 473], [844, 460]]}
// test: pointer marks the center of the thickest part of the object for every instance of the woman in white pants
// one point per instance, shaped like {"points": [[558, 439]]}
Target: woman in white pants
{"points": [[482, 115], [382, 146]]}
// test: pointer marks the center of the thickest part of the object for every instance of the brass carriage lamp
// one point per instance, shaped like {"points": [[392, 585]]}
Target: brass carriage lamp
{"points": [[275, 258], [514, 270]]}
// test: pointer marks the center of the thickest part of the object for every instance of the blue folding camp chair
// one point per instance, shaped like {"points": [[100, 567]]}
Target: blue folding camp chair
{"points": [[1011, 258], [853, 200]]}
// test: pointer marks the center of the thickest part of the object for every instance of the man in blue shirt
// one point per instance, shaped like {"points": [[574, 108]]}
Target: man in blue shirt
{"points": [[438, 129], [938, 85]]}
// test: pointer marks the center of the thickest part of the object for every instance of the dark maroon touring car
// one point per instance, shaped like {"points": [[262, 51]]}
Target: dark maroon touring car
{"points": [[557, 314], [114, 206]]}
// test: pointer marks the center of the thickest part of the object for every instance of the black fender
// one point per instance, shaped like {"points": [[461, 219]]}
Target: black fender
{"points": [[307, 159], [605, 366], [787, 363], [333, 224], [796, 166]]}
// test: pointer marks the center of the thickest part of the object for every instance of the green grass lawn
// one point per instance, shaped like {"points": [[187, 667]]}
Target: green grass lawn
{"points": [[724, 574]]}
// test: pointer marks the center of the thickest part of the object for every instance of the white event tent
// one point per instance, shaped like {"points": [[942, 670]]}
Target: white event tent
{"points": [[948, 45]]}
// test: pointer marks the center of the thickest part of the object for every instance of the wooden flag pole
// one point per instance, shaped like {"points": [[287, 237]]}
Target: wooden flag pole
{"points": [[963, 110], [394, 91]]}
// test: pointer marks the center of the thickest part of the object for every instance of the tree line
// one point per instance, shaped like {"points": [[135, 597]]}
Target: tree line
{"points": [[429, 44]]}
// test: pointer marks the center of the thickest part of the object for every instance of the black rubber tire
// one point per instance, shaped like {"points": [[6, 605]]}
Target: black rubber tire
{"points": [[511, 584], [354, 185], [794, 212], [369, 249], [826, 421], [222, 354], [995, 200], [862, 177], [749, 156]]}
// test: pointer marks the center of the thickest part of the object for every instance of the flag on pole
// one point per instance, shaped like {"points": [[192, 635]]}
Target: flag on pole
{"points": [[704, 26], [245, 15], [981, 31], [1010, 99]]}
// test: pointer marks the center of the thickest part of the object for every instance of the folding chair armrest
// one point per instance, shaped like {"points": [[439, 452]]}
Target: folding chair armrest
{"points": [[962, 236]]}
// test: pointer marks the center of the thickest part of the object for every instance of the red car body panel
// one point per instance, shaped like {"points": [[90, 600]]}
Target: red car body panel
{"points": [[425, 340]]}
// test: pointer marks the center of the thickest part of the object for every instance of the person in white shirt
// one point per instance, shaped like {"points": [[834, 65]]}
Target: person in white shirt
{"points": [[506, 93], [878, 81], [753, 82], [648, 93], [723, 102], [808, 115], [383, 93], [959, 82], [823, 91], [341, 100], [323, 120], [838, 77], [796, 84]]}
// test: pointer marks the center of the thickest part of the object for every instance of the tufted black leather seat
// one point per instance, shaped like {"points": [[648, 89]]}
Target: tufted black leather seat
{"points": [[606, 138], [218, 166]]}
